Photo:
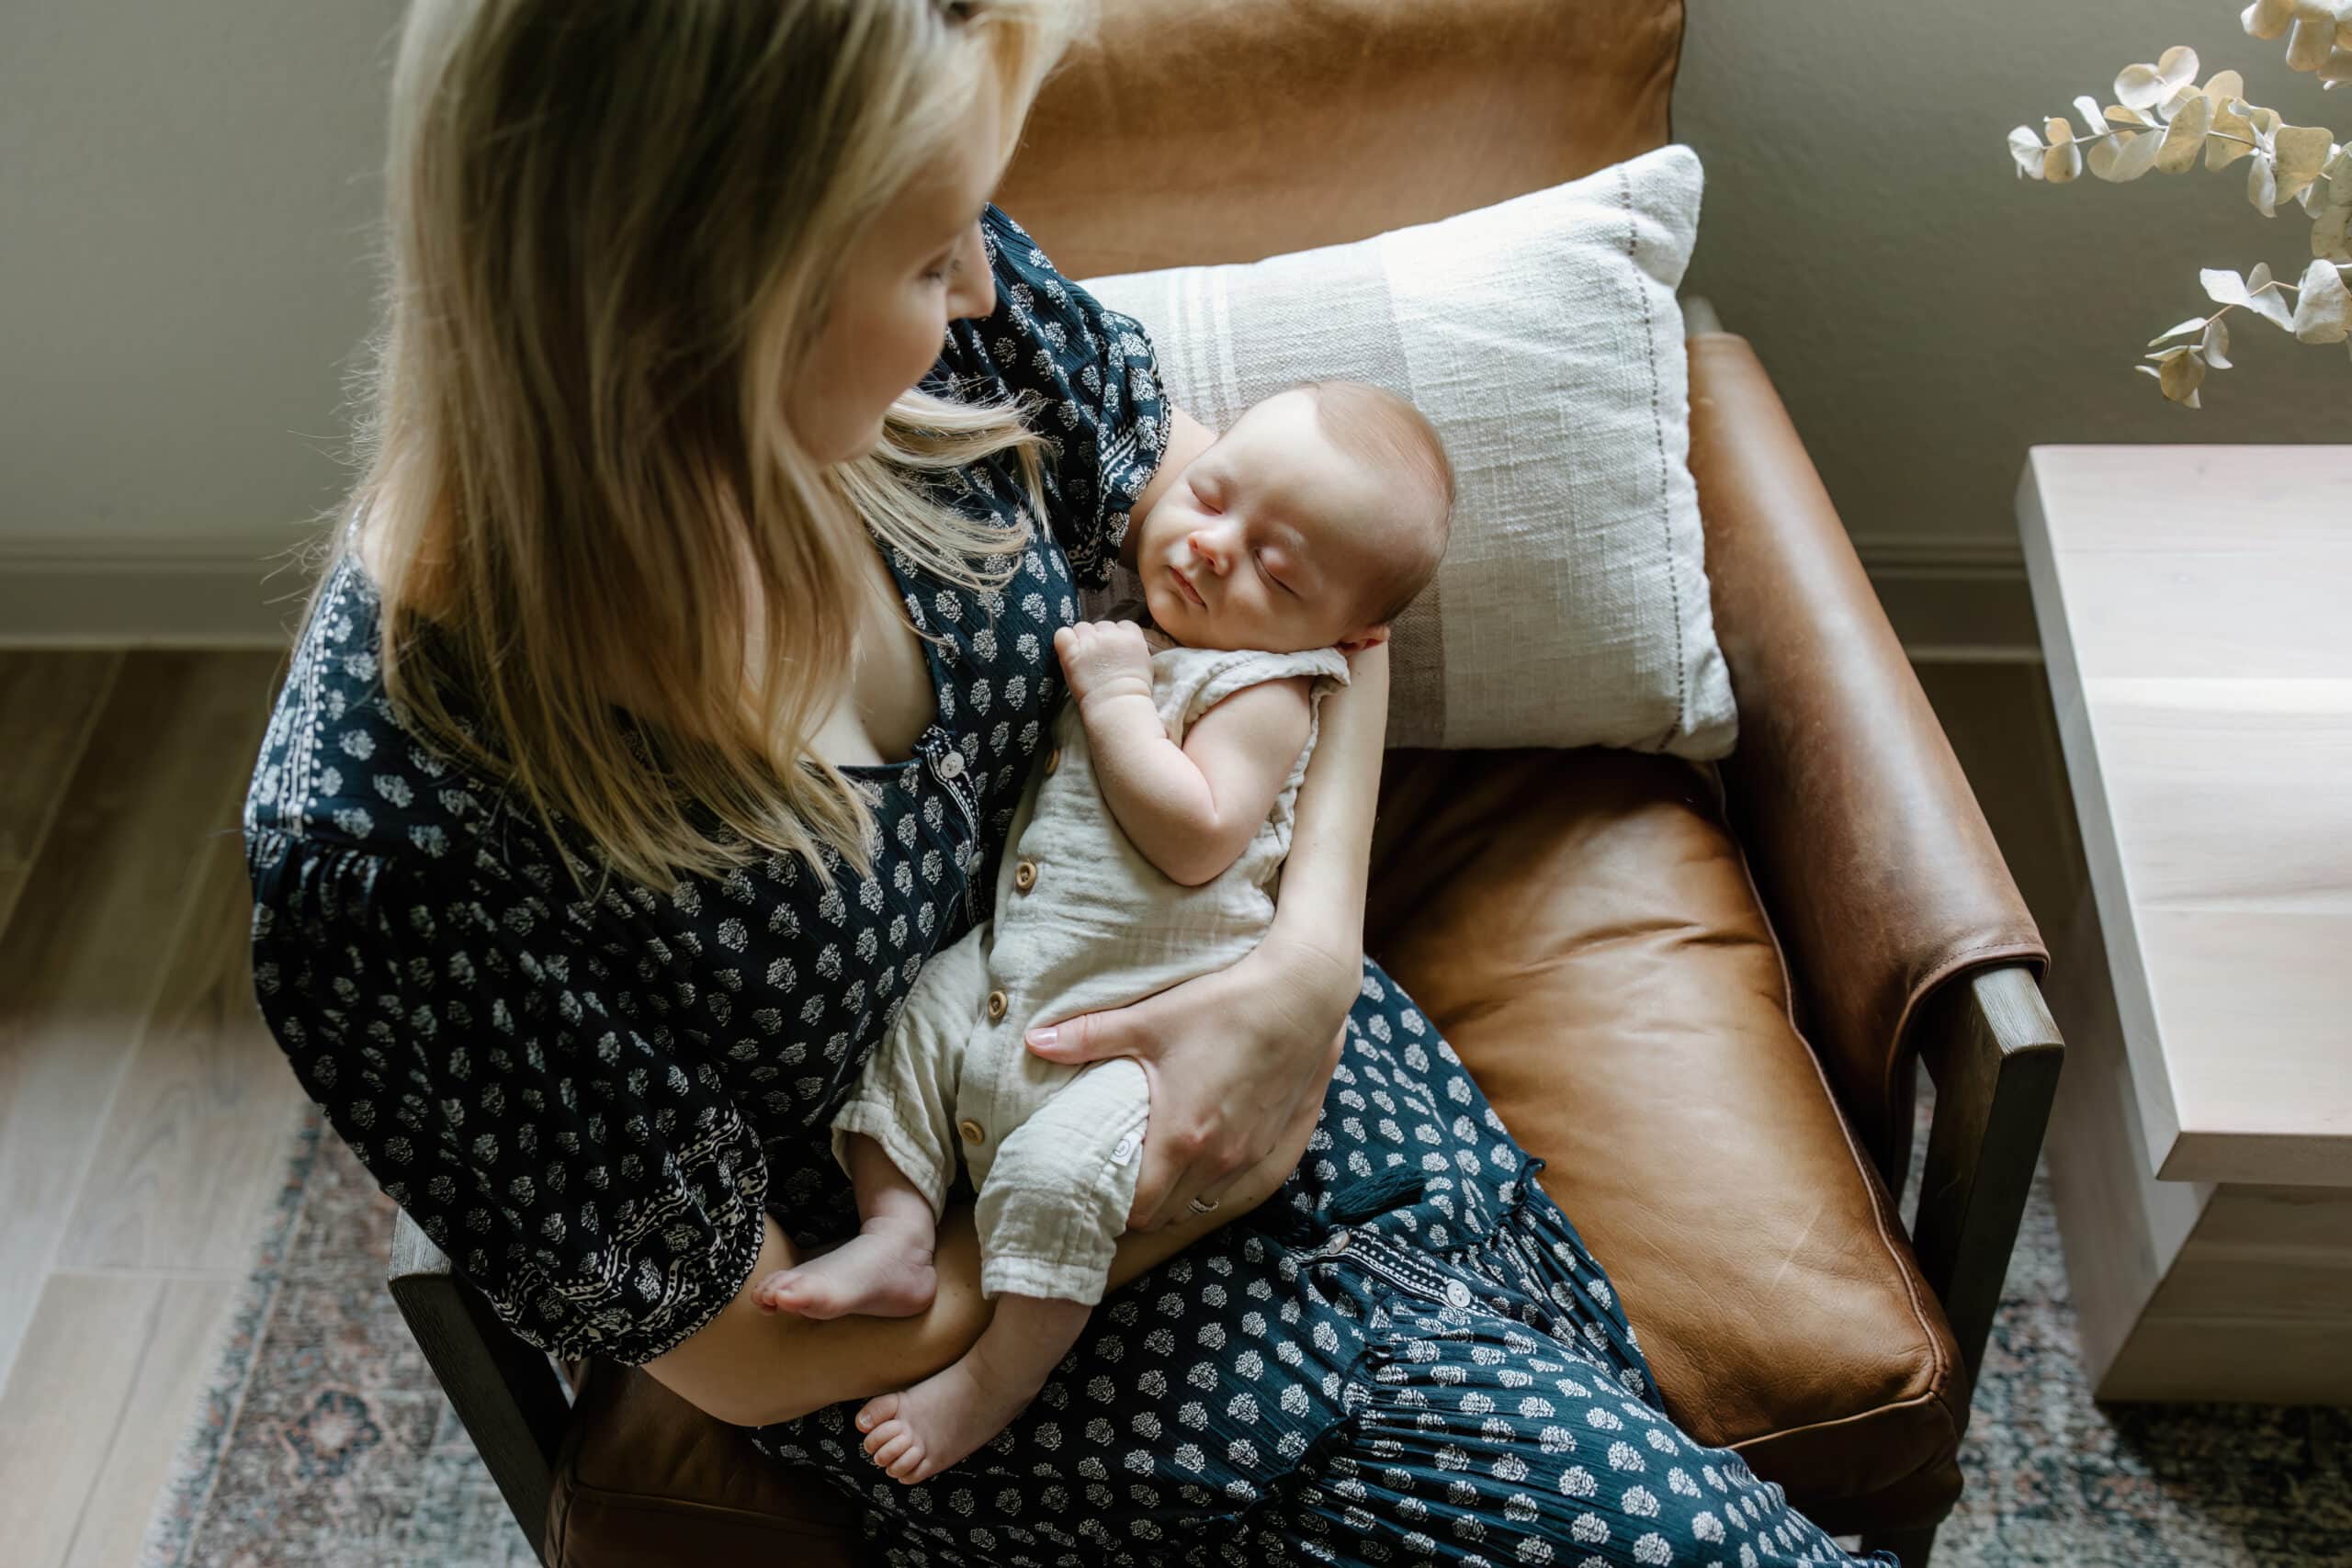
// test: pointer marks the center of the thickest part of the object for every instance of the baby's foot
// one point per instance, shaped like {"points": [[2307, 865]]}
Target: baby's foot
{"points": [[921, 1431], [879, 1273]]}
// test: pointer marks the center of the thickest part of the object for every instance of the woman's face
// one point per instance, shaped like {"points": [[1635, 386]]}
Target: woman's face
{"points": [[918, 267]]}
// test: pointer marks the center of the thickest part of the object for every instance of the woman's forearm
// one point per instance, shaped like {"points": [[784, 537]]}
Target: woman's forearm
{"points": [[1319, 912]]}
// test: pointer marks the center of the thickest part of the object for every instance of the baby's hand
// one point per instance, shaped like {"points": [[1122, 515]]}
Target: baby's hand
{"points": [[1103, 658]]}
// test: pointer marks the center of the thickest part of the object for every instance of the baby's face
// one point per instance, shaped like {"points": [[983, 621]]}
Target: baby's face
{"points": [[1267, 539]]}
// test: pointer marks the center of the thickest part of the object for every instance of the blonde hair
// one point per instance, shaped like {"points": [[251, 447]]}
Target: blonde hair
{"points": [[612, 235]]}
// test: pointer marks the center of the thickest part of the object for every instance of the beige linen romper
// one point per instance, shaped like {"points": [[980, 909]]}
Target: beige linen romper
{"points": [[1083, 921]]}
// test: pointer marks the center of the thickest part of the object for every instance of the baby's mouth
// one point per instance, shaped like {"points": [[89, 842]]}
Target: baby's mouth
{"points": [[1184, 585]]}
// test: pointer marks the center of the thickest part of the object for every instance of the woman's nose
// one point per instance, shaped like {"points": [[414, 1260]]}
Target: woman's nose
{"points": [[974, 294]]}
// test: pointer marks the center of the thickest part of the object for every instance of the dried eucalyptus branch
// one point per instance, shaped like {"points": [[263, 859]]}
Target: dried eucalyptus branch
{"points": [[2163, 119]]}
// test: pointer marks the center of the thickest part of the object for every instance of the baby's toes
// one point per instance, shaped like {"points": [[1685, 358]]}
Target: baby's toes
{"points": [[895, 1437], [908, 1466], [873, 1414]]}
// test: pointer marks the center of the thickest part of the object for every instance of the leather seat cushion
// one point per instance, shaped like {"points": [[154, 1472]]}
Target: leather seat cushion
{"points": [[1581, 926]]}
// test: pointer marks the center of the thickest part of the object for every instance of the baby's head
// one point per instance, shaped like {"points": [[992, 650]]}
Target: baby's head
{"points": [[1311, 522]]}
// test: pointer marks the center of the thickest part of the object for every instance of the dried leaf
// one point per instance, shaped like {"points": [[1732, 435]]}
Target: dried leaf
{"points": [[2087, 107], [2194, 323], [2180, 98], [2313, 36], [2025, 148], [2119, 115], [2303, 153], [2323, 309], [2185, 135], [2229, 120], [2180, 375], [2215, 345], [2267, 299], [2336, 69], [2222, 286], [2177, 65], [2106, 156], [2139, 87], [2331, 233], [2134, 155], [2145, 86], [2225, 86], [2063, 161], [2267, 18], [2262, 186]]}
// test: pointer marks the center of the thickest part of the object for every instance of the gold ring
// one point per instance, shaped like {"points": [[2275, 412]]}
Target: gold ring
{"points": [[1203, 1206]]}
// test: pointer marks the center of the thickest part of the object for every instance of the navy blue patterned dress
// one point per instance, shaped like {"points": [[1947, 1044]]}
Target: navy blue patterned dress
{"points": [[1406, 1356]]}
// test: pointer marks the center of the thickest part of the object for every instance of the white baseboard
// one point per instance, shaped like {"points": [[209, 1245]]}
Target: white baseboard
{"points": [[1950, 600], [1954, 601], [144, 592]]}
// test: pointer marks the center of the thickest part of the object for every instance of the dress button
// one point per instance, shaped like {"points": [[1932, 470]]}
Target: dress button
{"points": [[1024, 875], [1457, 1293], [972, 1130], [951, 765], [1335, 1243], [1053, 759], [996, 1006]]}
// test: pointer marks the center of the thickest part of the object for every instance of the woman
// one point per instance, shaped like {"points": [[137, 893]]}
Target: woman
{"points": [[731, 464]]}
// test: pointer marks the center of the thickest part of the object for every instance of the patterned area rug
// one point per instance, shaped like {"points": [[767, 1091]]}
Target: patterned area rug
{"points": [[324, 1442]]}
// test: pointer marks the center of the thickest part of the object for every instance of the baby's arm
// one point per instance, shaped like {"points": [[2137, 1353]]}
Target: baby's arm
{"points": [[1190, 809]]}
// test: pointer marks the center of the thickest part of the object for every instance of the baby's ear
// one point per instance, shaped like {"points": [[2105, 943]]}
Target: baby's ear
{"points": [[1371, 636]]}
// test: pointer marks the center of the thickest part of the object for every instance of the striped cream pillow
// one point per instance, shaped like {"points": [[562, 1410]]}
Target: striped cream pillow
{"points": [[1542, 337]]}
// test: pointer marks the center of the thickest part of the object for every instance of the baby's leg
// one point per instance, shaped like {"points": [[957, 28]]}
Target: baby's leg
{"points": [[916, 1434], [1049, 1214], [884, 1270]]}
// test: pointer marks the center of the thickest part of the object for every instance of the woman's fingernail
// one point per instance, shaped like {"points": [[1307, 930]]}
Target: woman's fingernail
{"points": [[1042, 1036]]}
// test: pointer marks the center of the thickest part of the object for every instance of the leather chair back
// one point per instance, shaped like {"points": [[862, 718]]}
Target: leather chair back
{"points": [[1186, 132]]}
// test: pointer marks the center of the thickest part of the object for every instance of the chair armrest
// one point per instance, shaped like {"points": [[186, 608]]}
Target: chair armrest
{"points": [[505, 1392], [1994, 1054], [1874, 861]]}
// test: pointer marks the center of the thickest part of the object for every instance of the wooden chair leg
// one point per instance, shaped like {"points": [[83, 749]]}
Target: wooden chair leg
{"points": [[507, 1393], [1910, 1547]]}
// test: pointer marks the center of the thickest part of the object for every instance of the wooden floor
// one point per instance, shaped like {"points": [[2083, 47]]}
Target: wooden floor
{"points": [[141, 1103]]}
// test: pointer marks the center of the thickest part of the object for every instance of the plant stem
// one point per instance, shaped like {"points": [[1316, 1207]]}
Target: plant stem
{"points": [[2159, 130]]}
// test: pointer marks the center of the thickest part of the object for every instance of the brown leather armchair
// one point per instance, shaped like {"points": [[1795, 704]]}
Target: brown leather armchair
{"points": [[1704, 1008]]}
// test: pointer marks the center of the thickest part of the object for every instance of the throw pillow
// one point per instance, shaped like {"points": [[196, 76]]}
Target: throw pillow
{"points": [[1542, 337]]}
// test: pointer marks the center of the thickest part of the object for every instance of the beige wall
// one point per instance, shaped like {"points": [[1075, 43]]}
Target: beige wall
{"points": [[1927, 315], [186, 191]]}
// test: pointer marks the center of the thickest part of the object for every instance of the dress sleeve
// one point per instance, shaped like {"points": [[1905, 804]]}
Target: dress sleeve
{"points": [[466, 1042], [1099, 376]]}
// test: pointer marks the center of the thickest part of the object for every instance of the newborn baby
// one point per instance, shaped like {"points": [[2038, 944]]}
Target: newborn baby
{"points": [[1144, 852]]}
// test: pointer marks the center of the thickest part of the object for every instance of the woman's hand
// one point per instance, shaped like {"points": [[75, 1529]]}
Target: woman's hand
{"points": [[1233, 1058]]}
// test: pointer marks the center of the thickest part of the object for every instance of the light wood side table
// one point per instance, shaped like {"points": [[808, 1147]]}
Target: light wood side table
{"points": [[2196, 612]]}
